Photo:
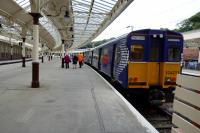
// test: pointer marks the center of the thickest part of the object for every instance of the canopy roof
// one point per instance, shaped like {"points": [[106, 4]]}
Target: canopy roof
{"points": [[75, 21]]}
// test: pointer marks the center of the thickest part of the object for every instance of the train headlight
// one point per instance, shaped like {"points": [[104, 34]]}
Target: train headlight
{"points": [[135, 79], [173, 78]]}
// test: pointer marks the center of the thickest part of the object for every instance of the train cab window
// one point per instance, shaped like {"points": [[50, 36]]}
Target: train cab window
{"points": [[137, 52], [174, 53]]}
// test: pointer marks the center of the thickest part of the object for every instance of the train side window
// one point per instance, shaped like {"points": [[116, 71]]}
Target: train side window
{"points": [[137, 52], [174, 53]]}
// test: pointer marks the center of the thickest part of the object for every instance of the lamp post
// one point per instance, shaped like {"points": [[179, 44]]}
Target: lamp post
{"points": [[130, 26]]}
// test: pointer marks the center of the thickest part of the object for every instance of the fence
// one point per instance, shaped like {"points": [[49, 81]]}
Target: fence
{"points": [[186, 116]]}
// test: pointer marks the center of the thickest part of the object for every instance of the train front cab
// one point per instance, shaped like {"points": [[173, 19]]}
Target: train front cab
{"points": [[137, 65], [154, 61]]}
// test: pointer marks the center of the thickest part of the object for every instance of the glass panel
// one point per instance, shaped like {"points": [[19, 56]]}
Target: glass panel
{"points": [[174, 53], [105, 56], [154, 52], [156, 49], [137, 52]]}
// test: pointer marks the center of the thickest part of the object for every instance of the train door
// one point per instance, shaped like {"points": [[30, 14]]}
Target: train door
{"points": [[155, 57], [114, 54], [91, 57], [120, 63], [137, 66], [99, 59], [117, 57]]}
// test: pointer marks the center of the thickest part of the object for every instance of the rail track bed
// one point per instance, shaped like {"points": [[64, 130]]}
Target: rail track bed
{"points": [[159, 117]]}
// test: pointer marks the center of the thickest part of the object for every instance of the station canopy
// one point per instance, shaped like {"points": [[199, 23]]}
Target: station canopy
{"points": [[77, 22]]}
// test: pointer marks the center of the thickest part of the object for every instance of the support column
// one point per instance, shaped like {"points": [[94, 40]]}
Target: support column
{"points": [[42, 53], [49, 55], [11, 48], [35, 53], [63, 54], [199, 56], [23, 53]]}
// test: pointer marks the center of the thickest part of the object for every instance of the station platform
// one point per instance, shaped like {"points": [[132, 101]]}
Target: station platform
{"points": [[68, 101], [191, 72]]}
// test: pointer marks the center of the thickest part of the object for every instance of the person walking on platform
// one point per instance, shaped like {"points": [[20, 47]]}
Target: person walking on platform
{"points": [[80, 60], [75, 59], [67, 61]]}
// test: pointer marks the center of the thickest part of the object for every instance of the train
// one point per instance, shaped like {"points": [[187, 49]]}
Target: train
{"points": [[143, 62], [5, 51]]}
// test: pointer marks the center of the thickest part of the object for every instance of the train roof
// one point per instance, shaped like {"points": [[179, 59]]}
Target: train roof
{"points": [[112, 41], [156, 31], [142, 32]]}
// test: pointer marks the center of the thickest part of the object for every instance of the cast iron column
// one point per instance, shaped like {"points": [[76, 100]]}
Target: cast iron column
{"points": [[35, 64], [42, 53], [49, 56], [11, 49], [63, 54], [23, 53]]}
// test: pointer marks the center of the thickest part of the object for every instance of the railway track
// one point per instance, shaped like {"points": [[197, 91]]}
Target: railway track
{"points": [[160, 118]]}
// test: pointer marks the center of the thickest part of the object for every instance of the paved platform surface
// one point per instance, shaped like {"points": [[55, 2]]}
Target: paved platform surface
{"points": [[68, 101]]}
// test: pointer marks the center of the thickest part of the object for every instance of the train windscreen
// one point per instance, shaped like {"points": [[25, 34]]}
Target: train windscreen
{"points": [[174, 53], [137, 52]]}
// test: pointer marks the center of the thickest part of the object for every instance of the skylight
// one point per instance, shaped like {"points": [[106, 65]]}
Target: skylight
{"points": [[25, 4]]}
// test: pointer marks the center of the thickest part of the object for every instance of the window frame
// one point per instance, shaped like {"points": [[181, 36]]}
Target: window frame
{"points": [[178, 59], [131, 58]]}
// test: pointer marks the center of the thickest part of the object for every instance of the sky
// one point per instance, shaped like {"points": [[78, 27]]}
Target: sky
{"points": [[153, 14]]}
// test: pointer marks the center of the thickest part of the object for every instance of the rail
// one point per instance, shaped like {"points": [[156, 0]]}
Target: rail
{"points": [[186, 105]]}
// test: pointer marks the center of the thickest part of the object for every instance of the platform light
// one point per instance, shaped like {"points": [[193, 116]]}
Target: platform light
{"points": [[66, 16], [154, 35], [130, 26], [161, 35]]}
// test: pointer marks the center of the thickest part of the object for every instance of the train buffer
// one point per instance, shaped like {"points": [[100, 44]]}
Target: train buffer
{"points": [[68, 101]]}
